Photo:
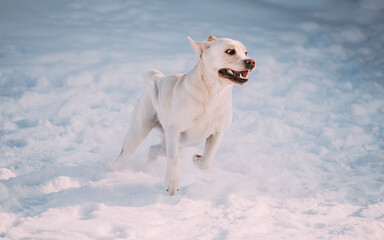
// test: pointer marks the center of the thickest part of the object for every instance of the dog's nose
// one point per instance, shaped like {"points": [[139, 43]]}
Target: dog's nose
{"points": [[249, 63]]}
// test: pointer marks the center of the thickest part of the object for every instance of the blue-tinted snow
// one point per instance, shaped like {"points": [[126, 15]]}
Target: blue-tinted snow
{"points": [[303, 159]]}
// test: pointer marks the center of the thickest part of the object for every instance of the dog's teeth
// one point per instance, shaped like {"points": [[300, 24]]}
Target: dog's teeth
{"points": [[229, 71], [244, 74]]}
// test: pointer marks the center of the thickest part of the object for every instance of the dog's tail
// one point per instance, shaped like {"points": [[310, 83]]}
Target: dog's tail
{"points": [[152, 73]]}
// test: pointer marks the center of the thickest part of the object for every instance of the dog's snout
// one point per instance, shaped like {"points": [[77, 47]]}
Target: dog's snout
{"points": [[249, 63]]}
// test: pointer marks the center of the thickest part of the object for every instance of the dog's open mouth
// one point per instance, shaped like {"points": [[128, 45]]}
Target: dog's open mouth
{"points": [[239, 77]]}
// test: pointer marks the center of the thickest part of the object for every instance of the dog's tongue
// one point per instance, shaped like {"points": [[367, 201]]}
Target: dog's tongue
{"points": [[244, 73]]}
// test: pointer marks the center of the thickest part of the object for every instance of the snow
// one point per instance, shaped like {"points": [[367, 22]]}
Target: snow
{"points": [[303, 158]]}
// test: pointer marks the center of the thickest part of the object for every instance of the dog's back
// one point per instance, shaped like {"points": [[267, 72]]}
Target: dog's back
{"points": [[152, 73], [161, 88]]}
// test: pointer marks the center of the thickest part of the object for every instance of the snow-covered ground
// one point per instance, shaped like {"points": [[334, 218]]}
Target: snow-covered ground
{"points": [[303, 159]]}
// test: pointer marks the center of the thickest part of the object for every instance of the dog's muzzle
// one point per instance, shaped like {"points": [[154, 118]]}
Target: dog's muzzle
{"points": [[249, 64], [239, 77]]}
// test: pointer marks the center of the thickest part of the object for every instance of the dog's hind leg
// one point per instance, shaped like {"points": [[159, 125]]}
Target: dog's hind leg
{"points": [[157, 150], [143, 121]]}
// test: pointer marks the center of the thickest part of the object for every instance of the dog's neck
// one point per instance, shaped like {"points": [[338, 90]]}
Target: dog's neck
{"points": [[207, 83]]}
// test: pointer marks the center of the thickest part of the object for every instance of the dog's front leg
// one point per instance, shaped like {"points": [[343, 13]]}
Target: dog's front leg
{"points": [[211, 145], [172, 178]]}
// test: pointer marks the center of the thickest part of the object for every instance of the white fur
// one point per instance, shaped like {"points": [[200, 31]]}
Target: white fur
{"points": [[186, 108]]}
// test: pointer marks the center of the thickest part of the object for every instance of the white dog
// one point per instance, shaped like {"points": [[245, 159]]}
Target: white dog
{"points": [[189, 108]]}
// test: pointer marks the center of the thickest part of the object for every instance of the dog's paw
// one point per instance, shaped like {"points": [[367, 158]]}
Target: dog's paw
{"points": [[117, 165], [172, 183], [198, 160]]}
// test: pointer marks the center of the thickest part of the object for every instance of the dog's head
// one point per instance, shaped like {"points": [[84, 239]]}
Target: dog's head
{"points": [[224, 57]]}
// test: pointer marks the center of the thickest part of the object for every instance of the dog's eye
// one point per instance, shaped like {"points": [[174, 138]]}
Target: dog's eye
{"points": [[230, 51], [246, 53]]}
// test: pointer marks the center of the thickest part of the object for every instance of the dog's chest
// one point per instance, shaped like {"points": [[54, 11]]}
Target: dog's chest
{"points": [[212, 117]]}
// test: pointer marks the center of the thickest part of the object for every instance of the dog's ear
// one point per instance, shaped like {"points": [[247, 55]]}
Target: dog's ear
{"points": [[211, 38], [198, 47]]}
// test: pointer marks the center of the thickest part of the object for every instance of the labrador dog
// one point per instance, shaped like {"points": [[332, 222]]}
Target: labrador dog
{"points": [[189, 108]]}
